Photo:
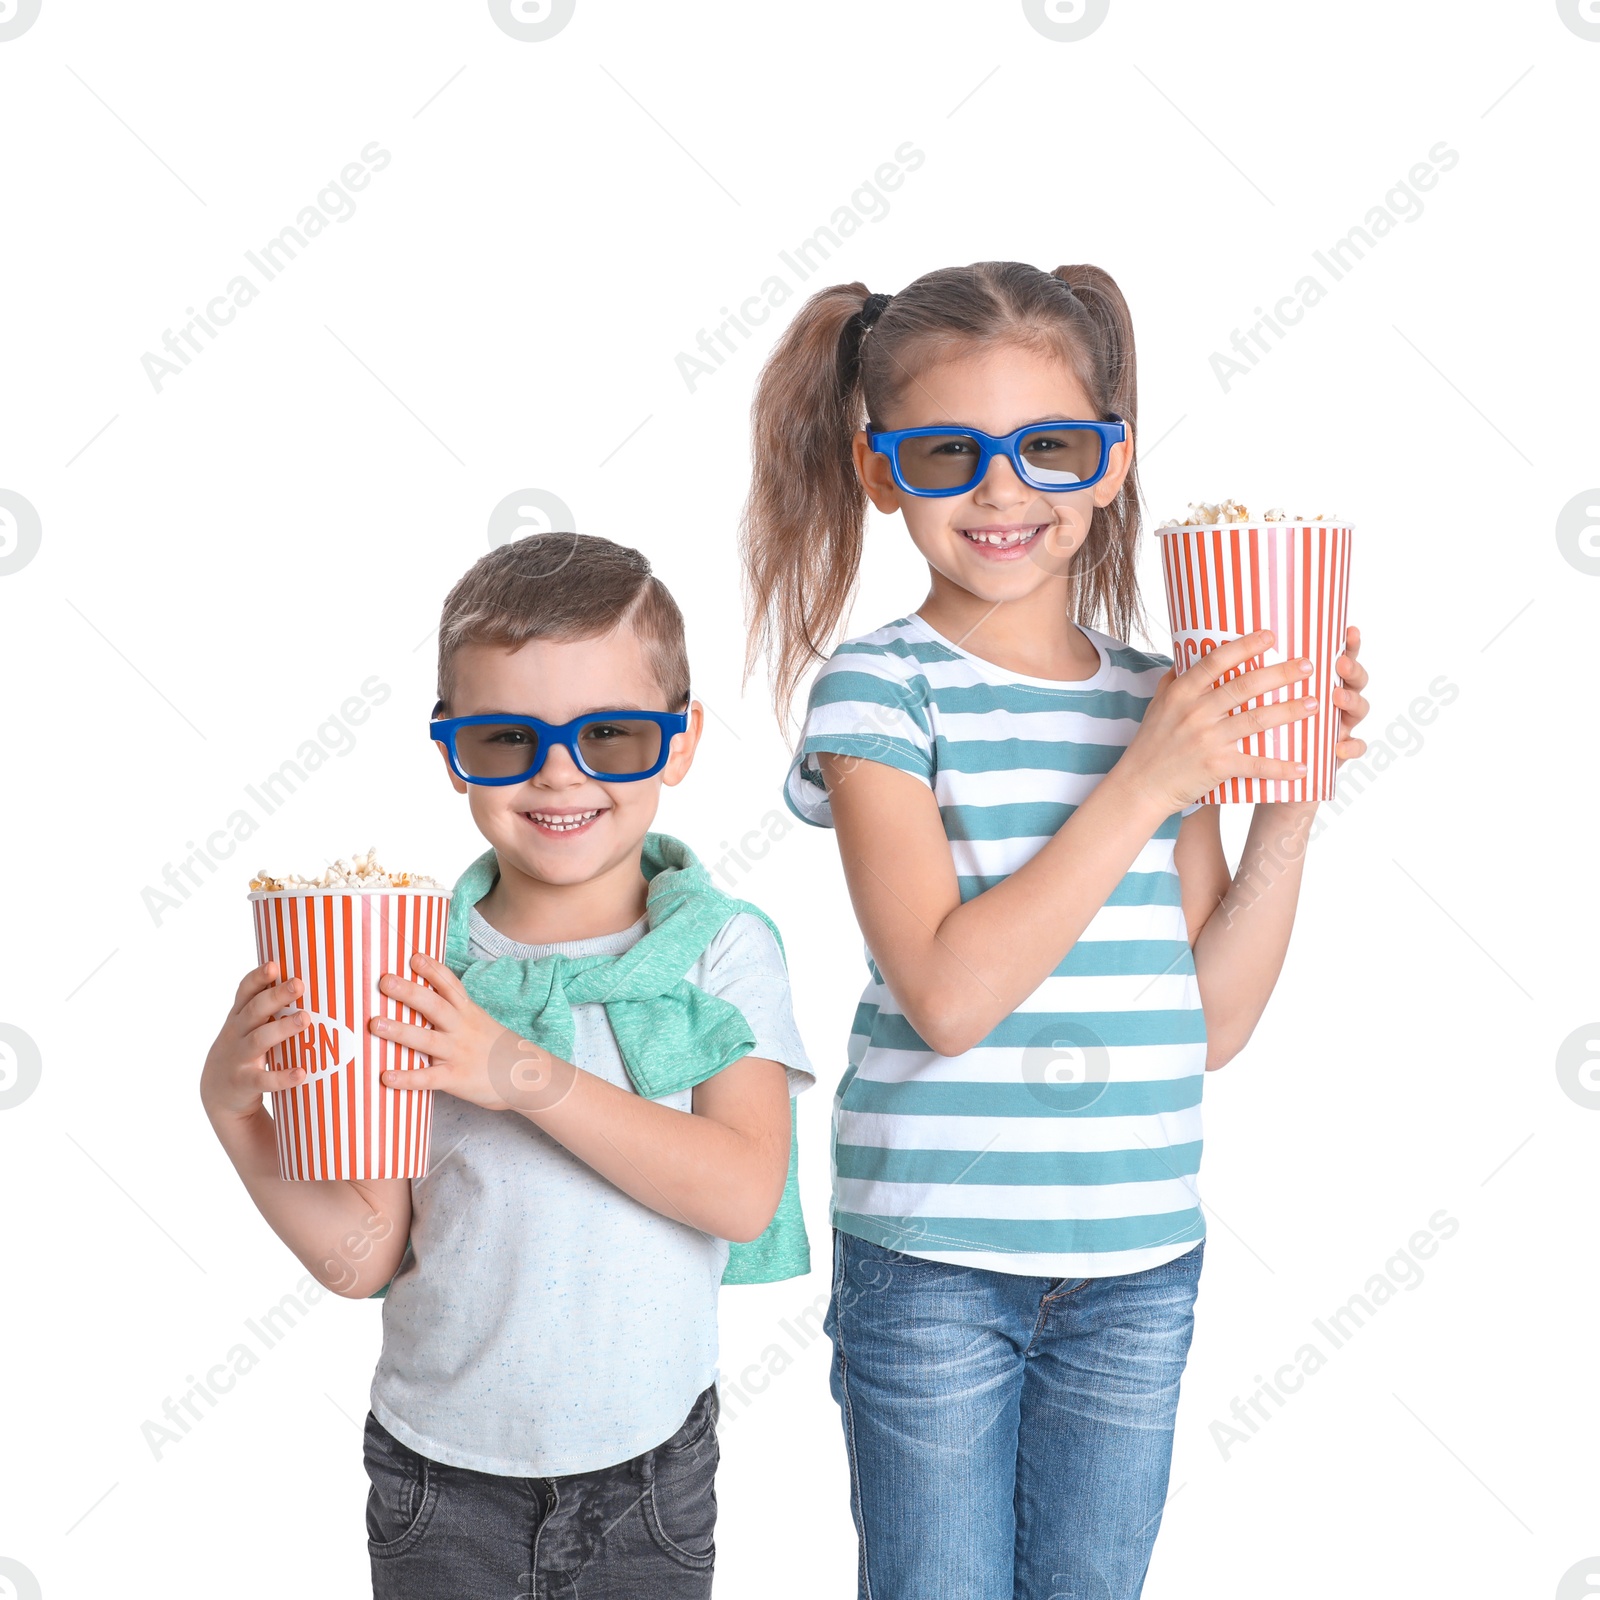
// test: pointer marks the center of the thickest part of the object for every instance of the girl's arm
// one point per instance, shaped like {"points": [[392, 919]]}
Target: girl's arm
{"points": [[1240, 926], [349, 1235], [958, 970]]}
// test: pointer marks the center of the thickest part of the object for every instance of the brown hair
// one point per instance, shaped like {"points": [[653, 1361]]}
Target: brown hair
{"points": [[564, 586], [827, 377]]}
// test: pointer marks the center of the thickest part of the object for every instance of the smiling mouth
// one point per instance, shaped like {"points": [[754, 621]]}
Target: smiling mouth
{"points": [[1002, 538], [561, 821]]}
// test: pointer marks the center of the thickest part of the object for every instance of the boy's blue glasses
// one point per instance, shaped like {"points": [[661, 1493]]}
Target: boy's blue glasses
{"points": [[499, 747], [1052, 456]]}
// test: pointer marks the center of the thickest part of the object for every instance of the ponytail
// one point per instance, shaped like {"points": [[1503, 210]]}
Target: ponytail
{"points": [[1105, 579], [803, 523]]}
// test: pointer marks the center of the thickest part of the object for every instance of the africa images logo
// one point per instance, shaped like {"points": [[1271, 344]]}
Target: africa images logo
{"points": [[531, 21], [1066, 21], [20, 532], [16, 17]]}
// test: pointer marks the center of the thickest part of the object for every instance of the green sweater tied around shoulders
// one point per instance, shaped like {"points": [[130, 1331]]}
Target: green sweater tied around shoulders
{"points": [[670, 1034]]}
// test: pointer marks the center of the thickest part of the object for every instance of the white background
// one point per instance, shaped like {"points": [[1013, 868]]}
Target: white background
{"points": [[225, 561]]}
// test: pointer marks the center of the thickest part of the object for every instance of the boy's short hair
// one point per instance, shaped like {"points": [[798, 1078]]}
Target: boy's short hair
{"points": [[563, 586]]}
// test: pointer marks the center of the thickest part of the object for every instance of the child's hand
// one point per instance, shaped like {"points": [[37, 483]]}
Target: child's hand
{"points": [[1188, 742], [1351, 702], [236, 1074], [472, 1056]]}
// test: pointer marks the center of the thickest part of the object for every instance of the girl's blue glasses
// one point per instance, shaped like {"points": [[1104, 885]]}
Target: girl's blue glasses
{"points": [[1053, 456], [614, 746]]}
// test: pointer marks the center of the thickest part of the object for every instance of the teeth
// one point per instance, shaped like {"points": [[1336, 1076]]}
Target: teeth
{"points": [[1017, 536], [563, 824]]}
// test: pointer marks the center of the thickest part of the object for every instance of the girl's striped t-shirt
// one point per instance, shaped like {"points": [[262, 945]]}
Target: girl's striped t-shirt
{"points": [[1065, 1143]]}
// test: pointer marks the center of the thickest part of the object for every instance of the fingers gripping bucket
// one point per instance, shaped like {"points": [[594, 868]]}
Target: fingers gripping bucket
{"points": [[343, 1122], [1228, 580]]}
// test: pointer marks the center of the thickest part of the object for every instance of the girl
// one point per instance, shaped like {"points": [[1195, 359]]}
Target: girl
{"points": [[1056, 948]]}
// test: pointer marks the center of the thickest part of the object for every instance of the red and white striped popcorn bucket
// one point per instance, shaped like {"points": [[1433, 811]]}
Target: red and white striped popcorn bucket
{"points": [[1227, 580], [343, 1122]]}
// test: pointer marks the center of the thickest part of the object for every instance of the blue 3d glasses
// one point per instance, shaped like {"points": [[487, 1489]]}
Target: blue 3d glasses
{"points": [[498, 747], [1050, 456]]}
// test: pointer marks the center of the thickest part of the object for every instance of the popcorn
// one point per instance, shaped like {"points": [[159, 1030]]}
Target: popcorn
{"points": [[361, 872], [1201, 515], [1224, 581], [356, 922]]}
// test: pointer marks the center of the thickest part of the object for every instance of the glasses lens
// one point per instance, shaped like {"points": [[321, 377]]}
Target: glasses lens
{"points": [[620, 747], [939, 460], [1057, 458], [496, 749]]}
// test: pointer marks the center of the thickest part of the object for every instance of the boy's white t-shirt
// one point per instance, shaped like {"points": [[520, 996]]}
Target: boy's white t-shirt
{"points": [[543, 1321]]}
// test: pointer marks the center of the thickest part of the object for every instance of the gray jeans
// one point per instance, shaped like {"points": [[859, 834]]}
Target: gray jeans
{"points": [[641, 1528]]}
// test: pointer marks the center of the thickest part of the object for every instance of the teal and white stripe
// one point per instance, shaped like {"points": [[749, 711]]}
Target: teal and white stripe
{"points": [[1067, 1142]]}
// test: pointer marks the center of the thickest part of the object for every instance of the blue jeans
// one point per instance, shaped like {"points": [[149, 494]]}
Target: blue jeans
{"points": [[1009, 1437]]}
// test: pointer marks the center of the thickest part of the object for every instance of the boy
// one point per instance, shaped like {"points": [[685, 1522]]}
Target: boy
{"points": [[616, 1049]]}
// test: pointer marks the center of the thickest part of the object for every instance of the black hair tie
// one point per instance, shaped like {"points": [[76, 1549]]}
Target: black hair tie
{"points": [[853, 332], [873, 308]]}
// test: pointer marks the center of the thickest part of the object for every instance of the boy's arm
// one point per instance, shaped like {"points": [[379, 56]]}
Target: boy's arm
{"points": [[720, 1168], [350, 1235]]}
